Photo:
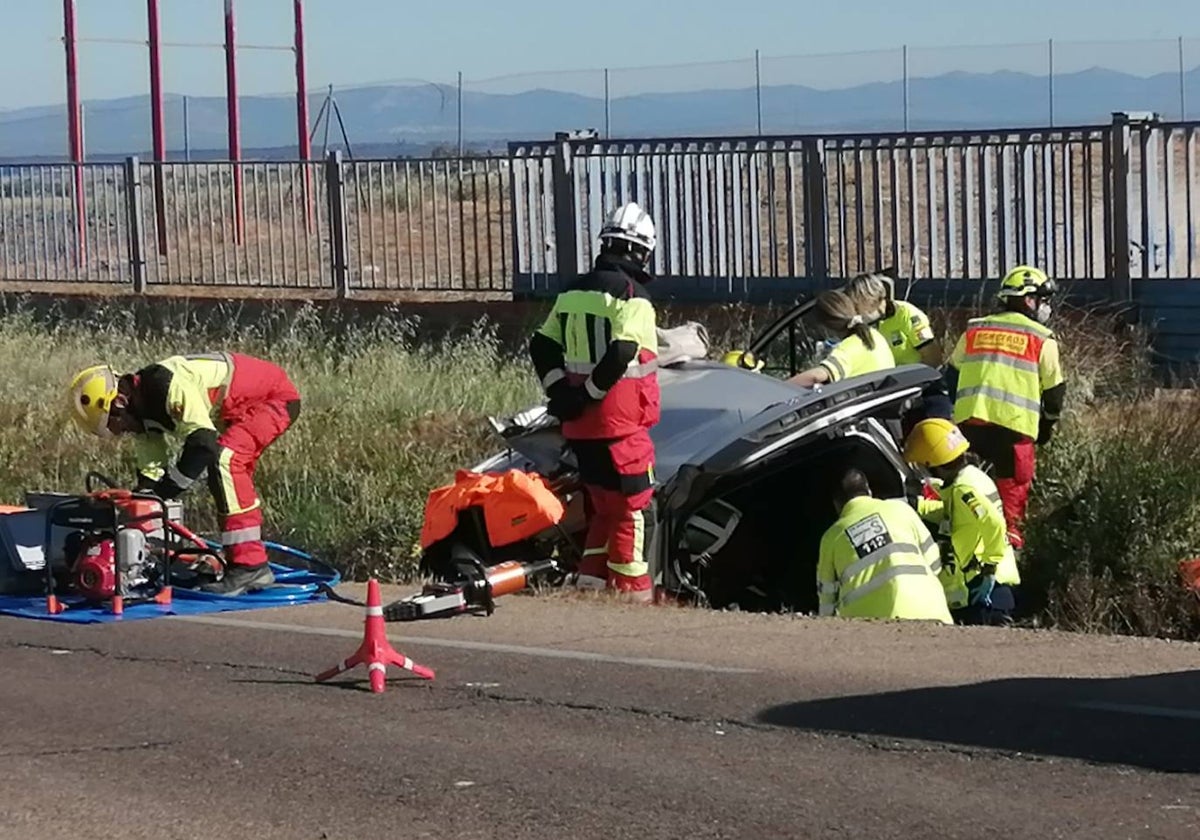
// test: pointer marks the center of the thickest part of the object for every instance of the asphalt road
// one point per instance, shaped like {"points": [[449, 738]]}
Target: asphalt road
{"points": [[560, 718]]}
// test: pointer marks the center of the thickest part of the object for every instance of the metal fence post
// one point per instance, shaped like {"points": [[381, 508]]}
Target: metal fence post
{"points": [[816, 233], [335, 186], [134, 227], [566, 263], [1118, 229]]}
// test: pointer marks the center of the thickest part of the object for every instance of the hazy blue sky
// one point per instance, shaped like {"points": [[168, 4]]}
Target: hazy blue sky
{"points": [[354, 41]]}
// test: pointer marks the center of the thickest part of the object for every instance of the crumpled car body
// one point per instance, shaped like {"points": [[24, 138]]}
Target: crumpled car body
{"points": [[744, 466]]}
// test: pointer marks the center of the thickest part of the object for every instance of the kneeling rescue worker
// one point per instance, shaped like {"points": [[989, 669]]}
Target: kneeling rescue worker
{"points": [[980, 576], [1008, 385], [596, 358], [227, 408], [878, 560]]}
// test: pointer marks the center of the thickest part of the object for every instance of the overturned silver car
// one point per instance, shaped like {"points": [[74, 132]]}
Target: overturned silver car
{"points": [[744, 463]]}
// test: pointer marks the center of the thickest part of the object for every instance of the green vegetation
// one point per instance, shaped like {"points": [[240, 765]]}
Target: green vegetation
{"points": [[390, 414]]}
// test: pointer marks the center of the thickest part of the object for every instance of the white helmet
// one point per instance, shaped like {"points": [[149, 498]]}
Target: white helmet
{"points": [[632, 224]]}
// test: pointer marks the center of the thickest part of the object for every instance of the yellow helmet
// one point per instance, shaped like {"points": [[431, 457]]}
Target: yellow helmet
{"points": [[934, 442], [743, 359], [1026, 280], [92, 393]]}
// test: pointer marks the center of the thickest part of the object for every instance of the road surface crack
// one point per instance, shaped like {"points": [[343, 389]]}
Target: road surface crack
{"points": [[159, 660], [873, 742], [100, 748]]}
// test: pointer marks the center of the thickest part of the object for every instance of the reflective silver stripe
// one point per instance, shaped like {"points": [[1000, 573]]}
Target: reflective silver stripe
{"points": [[593, 391], [928, 546], [223, 388], [829, 588], [995, 499], [881, 579], [182, 481], [633, 371], [1003, 396], [556, 375], [241, 535], [935, 566], [600, 335], [1007, 361], [826, 610], [836, 365], [877, 556]]}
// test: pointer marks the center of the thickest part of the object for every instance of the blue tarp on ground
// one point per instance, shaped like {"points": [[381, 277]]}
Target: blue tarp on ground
{"points": [[292, 586]]}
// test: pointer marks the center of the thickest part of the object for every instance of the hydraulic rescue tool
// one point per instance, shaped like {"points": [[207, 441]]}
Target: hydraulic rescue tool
{"points": [[476, 590]]}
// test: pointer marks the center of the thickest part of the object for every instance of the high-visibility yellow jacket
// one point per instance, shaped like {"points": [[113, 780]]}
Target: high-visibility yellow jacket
{"points": [[851, 357], [878, 561], [183, 397], [601, 334], [1006, 364], [970, 511], [906, 330]]}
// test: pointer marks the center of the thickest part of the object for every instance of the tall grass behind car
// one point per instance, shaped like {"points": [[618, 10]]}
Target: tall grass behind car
{"points": [[386, 417], [391, 411]]}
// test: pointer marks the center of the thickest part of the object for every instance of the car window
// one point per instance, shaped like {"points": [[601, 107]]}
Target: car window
{"points": [[790, 345]]}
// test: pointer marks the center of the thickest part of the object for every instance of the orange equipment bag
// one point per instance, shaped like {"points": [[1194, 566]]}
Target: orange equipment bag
{"points": [[516, 505]]}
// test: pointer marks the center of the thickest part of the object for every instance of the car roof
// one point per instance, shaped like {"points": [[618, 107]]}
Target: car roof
{"points": [[707, 408]]}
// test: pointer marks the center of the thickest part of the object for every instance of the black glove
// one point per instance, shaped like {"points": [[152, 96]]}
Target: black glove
{"points": [[567, 401], [1045, 431]]}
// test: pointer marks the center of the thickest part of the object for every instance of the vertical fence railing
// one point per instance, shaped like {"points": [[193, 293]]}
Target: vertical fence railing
{"points": [[738, 218], [535, 260], [39, 231], [428, 225], [278, 248], [968, 205], [1164, 201]]}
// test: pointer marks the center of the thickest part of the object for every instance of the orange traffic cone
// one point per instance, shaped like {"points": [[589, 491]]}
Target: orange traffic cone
{"points": [[375, 651]]}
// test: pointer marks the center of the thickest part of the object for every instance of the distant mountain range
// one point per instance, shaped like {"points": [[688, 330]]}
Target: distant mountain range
{"points": [[412, 120]]}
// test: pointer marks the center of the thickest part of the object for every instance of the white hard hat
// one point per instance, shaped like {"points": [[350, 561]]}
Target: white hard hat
{"points": [[632, 224]]}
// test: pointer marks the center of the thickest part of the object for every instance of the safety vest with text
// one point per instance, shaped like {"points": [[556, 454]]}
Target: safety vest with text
{"points": [[879, 561], [1005, 362]]}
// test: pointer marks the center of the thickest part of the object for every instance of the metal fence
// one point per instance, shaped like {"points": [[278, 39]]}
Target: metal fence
{"points": [[738, 218], [751, 216]]}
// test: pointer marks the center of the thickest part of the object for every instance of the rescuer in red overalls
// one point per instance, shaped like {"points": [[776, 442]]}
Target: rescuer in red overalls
{"points": [[226, 408], [596, 356]]}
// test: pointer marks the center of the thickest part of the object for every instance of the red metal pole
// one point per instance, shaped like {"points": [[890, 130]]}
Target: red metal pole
{"points": [[156, 123], [235, 142], [303, 144], [74, 131]]}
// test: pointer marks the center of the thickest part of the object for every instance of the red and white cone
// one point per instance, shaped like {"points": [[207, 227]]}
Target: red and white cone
{"points": [[375, 651]]}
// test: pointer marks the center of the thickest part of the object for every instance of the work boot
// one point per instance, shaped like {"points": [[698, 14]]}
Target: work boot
{"points": [[240, 579], [637, 590]]}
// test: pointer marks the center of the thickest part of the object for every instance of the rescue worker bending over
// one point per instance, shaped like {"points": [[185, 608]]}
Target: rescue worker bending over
{"points": [[227, 408], [980, 576], [905, 327], [860, 349], [878, 560], [596, 358], [1008, 385]]}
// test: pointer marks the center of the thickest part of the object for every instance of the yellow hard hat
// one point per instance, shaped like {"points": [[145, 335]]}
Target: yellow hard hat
{"points": [[934, 442], [743, 359], [1026, 280], [92, 393]]}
